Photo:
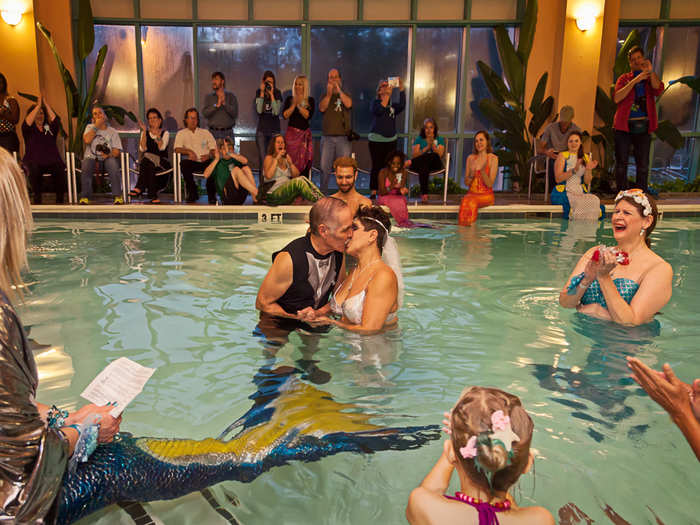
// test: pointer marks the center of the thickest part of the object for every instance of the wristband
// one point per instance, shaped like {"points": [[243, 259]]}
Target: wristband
{"points": [[56, 418]]}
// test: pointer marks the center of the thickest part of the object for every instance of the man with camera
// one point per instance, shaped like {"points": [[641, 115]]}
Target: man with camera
{"points": [[102, 144], [635, 118], [268, 104], [220, 108], [197, 146], [337, 125]]}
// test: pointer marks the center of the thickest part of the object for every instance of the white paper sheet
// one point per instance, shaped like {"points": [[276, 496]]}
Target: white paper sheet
{"points": [[121, 381]]}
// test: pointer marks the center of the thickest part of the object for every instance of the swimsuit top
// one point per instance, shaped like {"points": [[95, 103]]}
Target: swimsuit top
{"points": [[352, 307], [626, 287], [487, 511], [478, 185], [280, 177]]}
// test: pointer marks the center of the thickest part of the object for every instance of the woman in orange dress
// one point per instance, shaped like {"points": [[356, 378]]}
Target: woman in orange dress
{"points": [[480, 174]]}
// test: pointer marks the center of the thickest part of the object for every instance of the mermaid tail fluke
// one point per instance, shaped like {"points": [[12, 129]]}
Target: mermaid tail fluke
{"points": [[300, 423]]}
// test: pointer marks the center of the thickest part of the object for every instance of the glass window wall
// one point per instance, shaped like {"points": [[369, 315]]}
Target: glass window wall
{"points": [[168, 79], [680, 104], [117, 84], [242, 54], [346, 48], [438, 59]]}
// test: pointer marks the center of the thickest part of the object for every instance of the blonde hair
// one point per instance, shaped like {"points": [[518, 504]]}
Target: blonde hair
{"points": [[471, 416], [305, 81], [15, 224]]}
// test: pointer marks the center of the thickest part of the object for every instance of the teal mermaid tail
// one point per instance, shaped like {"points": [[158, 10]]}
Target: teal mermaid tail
{"points": [[298, 423]]}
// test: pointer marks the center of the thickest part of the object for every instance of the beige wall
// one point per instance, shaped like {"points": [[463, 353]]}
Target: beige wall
{"points": [[55, 15], [577, 61], [26, 69], [546, 52], [18, 60]]}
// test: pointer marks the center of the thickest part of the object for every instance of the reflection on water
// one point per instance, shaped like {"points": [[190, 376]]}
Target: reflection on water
{"points": [[604, 379], [480, 308]]}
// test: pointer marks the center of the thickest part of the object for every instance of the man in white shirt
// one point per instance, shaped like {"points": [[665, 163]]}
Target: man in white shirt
{"points": [[196, 145], [102, 144]]}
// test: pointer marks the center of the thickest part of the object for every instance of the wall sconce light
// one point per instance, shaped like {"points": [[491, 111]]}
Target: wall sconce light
{"points": [[11, 16], [585, 19]]}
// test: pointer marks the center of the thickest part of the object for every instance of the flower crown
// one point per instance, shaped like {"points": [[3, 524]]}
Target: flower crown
{"points": [[639, 197]]}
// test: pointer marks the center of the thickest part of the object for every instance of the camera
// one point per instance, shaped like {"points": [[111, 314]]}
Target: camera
{"points": [[104, 149]]}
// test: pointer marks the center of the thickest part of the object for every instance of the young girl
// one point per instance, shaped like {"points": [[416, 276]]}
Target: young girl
{"points": [[489, 446]]}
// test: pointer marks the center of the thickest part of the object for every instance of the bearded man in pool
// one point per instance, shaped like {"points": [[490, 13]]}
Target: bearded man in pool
{"points": [[298, 285]]}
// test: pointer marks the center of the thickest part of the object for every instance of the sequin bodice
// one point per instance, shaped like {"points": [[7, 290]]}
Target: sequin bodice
{"points": [[626, 287]]}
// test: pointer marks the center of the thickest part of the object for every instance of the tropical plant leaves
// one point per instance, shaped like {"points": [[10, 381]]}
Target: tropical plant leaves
{"points": [[527, 31], [28, 96], [495, 84], [669, 134], [540, 115], [118, 113], [86, 29], [538, 95], [512, 66], [72, 97], [651, 42], [501, 116], [690, 81], [605, 107], [621, 63]]}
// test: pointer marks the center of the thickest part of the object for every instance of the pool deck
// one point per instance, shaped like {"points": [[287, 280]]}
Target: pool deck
{"points": [[508, 206]]}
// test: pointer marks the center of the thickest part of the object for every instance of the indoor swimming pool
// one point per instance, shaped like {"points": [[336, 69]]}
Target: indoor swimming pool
{"points": [[481, 307]]}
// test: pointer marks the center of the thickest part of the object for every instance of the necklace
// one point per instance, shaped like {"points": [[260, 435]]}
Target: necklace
{"points": [[499, 505], [358, 271]]}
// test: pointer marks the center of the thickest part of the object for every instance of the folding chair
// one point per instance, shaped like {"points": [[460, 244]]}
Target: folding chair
{"points": [[72, 170], [445, 171], [177, 178], [162, 173], [538, 170]]}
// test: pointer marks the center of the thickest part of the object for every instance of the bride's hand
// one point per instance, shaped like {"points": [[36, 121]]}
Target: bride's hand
{"points": [[322, 320]]}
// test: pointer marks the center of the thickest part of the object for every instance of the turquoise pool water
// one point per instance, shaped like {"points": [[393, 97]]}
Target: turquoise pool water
{"points": [[480, 308]]}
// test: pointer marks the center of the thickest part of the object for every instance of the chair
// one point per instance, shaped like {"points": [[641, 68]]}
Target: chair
{"points": [[177, 178], [72, 170], [538, 170], [135, 169], [445, 170]]}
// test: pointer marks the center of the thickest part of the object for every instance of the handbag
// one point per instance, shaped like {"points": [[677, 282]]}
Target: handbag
{"points": [[155, 159]]}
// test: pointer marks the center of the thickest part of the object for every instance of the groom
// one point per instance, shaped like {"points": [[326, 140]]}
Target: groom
{"points": [[303, 274]]}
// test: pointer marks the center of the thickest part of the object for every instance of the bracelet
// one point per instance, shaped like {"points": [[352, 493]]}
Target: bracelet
{"points": [[56, 418]]}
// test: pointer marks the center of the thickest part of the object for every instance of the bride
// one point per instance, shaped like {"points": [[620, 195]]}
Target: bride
{"points": [[368, 299]]}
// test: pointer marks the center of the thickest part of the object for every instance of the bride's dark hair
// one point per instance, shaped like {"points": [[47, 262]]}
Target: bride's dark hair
{"points": [[373, 218]]}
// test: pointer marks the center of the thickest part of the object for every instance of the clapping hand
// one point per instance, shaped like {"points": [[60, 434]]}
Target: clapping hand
{"points": [[666, 389], [142, 125], [592, 165]]}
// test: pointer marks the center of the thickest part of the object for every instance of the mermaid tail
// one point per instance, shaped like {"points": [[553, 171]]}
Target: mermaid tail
{"points": [[298, 422]]}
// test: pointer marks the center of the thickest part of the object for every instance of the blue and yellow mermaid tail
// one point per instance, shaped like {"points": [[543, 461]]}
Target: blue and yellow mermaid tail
{"points": [[301, 423]]}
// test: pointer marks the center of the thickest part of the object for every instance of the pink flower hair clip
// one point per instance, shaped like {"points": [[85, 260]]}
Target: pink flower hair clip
{"points": [[469, 450], [502, 431]]}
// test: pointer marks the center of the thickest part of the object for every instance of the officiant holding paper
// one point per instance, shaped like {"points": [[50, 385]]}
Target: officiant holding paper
{"points": [[37, 441]]}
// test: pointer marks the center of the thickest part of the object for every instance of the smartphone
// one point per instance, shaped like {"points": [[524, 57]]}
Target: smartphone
{"points": [[393, 81]]}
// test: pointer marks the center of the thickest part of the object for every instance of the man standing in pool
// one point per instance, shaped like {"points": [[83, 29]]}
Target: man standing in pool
{"points": [[345, 176], [298, 285]]}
